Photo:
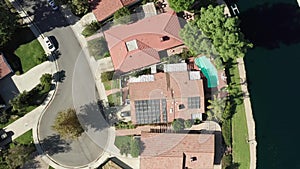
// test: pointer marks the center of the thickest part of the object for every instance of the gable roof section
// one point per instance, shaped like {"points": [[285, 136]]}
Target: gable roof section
{"points": [[177, 151], [103, 9], [148, 33], [5, 69]]}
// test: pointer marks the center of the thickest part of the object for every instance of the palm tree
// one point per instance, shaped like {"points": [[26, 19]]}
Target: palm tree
{"points": [[217, 106]]}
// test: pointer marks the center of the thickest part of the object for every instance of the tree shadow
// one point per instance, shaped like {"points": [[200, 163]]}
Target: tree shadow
{"points": [[61, 146], [234, 166], [59, 76], [269, 25], [91, 117]]}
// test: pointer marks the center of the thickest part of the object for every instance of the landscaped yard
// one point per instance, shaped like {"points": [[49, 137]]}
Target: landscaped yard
{"points": [[241, 149], [113, 84], [26, 138], [30, 54], [114, 99], [127, 145], [98, 48]]}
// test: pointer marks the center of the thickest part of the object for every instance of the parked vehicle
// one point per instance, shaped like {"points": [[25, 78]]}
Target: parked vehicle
{"points": [[49, 44], [52, 4]]}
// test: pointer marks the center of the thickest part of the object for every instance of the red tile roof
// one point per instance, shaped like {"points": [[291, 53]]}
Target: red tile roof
{"points": [[169, 150], [162, 87], [103, 9], [148, 33], [5, 69]]}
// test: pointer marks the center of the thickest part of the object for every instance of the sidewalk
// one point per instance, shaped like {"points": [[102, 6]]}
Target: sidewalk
{"points": [[249, 115]]}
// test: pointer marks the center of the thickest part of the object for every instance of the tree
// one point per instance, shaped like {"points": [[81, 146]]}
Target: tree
{"points": [[217, 106], [224, 32], [80, 7], [178, 124], [181, 5], [45, 80], [17, 155], [107, 76], [188, 123], [122, 16], [125, 148], [8, 22], [196, 41], [20, 101], [67, 124], [134, 148]]}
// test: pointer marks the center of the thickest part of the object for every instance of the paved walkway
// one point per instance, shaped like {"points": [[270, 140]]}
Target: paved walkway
{"points": [[249, 115]]}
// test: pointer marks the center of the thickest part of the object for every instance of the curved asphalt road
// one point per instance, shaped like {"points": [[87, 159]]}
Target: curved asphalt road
{"points": [[84, 150]]}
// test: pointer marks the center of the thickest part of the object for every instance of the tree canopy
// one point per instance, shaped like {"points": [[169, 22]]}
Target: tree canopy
{"points": [[224, 32], [80, 7], [67, 124], [196, 41], [181, 5], [8, 22], [178, 124], [216, 108], [122, 16]]}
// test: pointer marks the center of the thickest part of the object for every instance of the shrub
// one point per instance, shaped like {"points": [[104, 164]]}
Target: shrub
{"points": [[125, 148], [90, 29], [122, 16], [142, 72], [134, 148], [197, 121], [79, 7], [41, 58], [187, 124], [107, 76], [178, 124], [4, 118], [226, 132]]}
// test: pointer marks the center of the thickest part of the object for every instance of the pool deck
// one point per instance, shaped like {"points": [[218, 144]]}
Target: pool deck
{"points": [[249, 116]]}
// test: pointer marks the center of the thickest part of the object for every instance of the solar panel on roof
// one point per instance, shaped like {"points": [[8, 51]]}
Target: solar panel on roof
{"points": [[194, 102], [147, 111]]}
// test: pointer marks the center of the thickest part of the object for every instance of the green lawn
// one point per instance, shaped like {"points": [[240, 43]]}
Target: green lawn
{"points": [[113, 84], [29, 53], [241, 149], [98, 48], [128, 145], [25, 138], [120, 140]]}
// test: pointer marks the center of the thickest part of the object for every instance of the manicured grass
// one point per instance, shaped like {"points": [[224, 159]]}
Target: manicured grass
{"points": [[25, 138], [50, 167], [113, 84], [241, 149], [121, 140], [98, 48], [28, 54]]}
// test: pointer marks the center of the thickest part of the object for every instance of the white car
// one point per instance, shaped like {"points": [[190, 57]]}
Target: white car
{"points": [[49, 44], [52, 4]]}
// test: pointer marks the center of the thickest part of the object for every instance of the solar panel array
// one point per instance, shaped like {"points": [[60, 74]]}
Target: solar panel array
{"points": [[194, 102], [147, 111], [164, 110]]}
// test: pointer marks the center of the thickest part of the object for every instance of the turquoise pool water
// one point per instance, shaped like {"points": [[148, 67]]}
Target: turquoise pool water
{"points": [[209, 71]]}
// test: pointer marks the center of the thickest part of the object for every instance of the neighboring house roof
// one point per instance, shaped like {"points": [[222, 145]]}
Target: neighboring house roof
{"points": [[114, 163], [168, 90], [146, 35], [103, 9], [177, 151], [5, 69]]}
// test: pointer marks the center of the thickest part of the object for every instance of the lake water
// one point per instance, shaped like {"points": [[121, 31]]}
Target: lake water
{"points": [[273, 69]]}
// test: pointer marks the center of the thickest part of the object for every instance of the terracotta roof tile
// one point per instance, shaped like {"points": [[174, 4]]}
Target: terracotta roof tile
{"points": [[169, 150], [5, 69], [147, 32]]}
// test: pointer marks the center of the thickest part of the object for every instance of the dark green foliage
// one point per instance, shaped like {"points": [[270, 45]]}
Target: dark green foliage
{"points": [[226, 161], [124, 125], [134, 148], [20, 102], [185, 54], [142, 72], [181, 5], [98, 48], [17, 155], [228, 112], [224, 32], [80, 7], [107, 76], [197, 121], [91, 28], [227, 132], [41, 58], [197, 42], [188, 123], [178, 124], [125, 148], [4, 118], [122, 16], [8, 22], [45, 81]]}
